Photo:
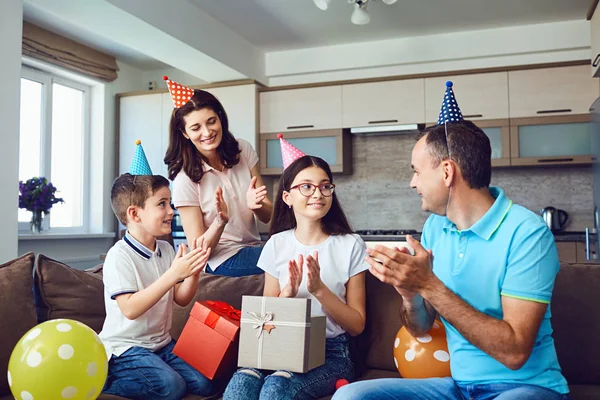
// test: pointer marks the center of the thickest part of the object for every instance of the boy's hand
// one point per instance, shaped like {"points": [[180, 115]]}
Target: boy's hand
{"points": [[295, 270], [189, 263]]}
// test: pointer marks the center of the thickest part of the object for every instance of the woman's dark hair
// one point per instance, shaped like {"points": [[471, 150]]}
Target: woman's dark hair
{"points": [[182, 154], [333, 223]]}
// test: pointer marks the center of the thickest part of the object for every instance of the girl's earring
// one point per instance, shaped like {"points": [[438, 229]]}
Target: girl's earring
{"points": [[289, 206]]}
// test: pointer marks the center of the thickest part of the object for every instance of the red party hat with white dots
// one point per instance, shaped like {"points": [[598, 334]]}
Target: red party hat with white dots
{"points": [[180, 94], [289, 153]]}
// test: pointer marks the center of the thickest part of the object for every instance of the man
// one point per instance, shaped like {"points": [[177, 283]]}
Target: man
{"points": [[488, 271]]}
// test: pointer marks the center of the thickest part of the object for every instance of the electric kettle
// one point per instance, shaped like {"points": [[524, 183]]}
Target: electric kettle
{"points": [[555, 219]]}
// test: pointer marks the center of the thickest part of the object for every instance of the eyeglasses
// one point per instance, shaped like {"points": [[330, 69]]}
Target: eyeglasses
{"points": [[308, 189]]}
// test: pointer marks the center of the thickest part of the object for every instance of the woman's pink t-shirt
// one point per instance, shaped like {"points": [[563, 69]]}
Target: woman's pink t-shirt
{"points": [[241, 230]]}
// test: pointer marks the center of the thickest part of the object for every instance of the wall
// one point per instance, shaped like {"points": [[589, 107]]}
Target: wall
{"points": [[377, 195], [10, 71]]}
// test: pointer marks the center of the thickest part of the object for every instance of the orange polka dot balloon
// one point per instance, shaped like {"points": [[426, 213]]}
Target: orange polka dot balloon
{"points": [[422, 357]]}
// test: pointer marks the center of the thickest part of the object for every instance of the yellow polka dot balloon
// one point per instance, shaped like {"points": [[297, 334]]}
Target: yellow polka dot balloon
{"points": [[58, 359], [422, 357]]}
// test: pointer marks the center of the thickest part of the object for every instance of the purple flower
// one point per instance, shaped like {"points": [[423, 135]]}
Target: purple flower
{"points": [[37, 194]]}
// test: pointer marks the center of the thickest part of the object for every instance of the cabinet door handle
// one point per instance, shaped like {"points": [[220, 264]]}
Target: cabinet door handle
{"points": [[562, 110], [300, 126], [549, 160], [596, 60], [473, 116], [384, 121]]}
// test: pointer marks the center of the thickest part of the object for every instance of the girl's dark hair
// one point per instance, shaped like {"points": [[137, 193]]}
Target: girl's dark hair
{"points": [[182, 154], [333, 223]]}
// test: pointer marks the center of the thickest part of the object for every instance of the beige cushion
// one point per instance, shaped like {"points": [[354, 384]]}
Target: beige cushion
{"points": [[17, 313], [66, 292]]}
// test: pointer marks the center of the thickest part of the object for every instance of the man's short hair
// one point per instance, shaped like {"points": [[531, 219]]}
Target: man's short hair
{"points": [[469, 148], [133, 190]]}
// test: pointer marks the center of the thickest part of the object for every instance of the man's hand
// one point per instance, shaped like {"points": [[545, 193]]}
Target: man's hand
{"points": [[255, 196], [408, 274]]}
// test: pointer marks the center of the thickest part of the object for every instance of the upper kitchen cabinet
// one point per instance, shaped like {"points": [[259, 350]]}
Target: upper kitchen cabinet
{"points": [[595, 36], [381, 103], [480, 96], [551, 91], [301, 109]]}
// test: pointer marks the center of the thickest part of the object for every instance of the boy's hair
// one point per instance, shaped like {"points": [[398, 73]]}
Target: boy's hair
{"points": [[333, 223], [133, 190]]}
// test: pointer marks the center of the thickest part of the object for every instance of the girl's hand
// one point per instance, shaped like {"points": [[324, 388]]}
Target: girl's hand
{"points": [[255, 196], [295, 270], [314, 283], [221, 206]]}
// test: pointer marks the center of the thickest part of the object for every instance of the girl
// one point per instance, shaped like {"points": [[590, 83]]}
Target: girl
{"points": [[218, 190], [312, 253]]}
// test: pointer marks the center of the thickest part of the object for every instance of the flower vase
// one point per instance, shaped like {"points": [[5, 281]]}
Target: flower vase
{"points": [[37, 217]]}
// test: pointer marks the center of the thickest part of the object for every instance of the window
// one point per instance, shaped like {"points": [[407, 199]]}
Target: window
{"points": [[54, 143]]}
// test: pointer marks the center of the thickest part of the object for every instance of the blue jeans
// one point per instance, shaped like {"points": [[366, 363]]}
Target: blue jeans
{"points": [[140, 374], [253, 384], [442, 388], [241, 264]]}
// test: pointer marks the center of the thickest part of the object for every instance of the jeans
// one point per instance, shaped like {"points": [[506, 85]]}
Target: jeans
{"points": [[241, 264], [253, 384], [140, 374], [442, 388]]}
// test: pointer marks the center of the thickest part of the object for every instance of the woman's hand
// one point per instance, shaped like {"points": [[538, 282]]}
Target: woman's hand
{"points": [[295, 270], [314, 283], [222, 212], [255, 196]]}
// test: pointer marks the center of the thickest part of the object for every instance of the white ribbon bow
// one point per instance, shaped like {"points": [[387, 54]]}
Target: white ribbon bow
{"points": [[259, 322]]}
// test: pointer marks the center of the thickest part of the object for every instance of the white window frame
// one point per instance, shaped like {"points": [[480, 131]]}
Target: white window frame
{"points": [[47, 79]]}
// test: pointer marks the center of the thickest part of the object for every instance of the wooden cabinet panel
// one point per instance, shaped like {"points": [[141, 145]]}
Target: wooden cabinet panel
{"points": [[383, 103], [301, 109], [581, 254], [479, 96], [567, 252], [551, 91]]}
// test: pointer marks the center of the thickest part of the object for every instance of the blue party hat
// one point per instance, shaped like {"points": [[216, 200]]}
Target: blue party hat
{"points": [[139, 164], [450, 111]]}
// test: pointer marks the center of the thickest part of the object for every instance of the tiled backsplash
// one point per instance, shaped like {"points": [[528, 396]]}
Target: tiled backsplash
{"points": [[378, 195]]}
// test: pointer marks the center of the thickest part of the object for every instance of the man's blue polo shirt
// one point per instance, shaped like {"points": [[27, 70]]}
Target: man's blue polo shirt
{"points": [[508, 252]]}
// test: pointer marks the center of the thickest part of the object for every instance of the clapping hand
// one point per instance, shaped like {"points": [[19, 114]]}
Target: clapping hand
{"points": [[314, 283], [255, 196], [221, 206], [295, 271], [188, 263]]}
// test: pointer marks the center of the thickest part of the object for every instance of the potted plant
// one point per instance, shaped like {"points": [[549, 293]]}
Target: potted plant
{"points": [[38, 196]]}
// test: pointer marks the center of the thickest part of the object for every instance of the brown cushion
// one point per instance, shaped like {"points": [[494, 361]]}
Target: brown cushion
{"points": [[66, 292], [217, 287], [576, 322], [17, 313], [383, 323]]}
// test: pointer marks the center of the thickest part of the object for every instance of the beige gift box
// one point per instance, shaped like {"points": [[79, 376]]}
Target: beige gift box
{"points": [[280, 334]]}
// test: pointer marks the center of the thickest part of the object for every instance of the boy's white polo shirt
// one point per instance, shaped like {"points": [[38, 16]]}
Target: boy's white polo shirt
{"points": [[130, 267]]}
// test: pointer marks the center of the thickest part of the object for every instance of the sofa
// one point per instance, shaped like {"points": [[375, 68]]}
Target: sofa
{"points": [[63, 292]]}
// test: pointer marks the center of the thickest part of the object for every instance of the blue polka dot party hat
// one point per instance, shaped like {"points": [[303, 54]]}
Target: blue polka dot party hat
{"points": [[139, 164], [450, 111]]}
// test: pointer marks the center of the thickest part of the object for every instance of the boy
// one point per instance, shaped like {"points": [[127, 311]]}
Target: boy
{"points": [[142, 277]]}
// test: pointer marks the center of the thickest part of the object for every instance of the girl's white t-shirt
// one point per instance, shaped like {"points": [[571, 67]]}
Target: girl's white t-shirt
{"points": [[340, 258]]}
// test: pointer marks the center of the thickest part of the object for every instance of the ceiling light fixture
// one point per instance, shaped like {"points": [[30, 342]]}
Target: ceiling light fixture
{"points": [[360, 15]]}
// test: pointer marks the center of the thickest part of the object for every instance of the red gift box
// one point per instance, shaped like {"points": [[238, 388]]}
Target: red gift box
{"points": [[209, 339]]}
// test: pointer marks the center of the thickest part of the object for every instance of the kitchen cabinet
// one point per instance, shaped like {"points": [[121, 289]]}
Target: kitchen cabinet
{"points": [[581, 254], [301, 109], [146, 117], [332, 145], [595, 41], [480, 96], [498, 131], [567, 252], [551, 91], [384, 103], [555, 140]]}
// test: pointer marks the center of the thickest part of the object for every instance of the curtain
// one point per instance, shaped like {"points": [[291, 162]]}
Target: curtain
{"points": [[52, 48]]}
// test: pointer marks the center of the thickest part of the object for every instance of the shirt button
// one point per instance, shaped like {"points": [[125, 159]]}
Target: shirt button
{"points": [[460, 255]]}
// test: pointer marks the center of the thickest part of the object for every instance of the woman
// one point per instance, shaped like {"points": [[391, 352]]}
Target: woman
{"points": [[218, 190]]}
